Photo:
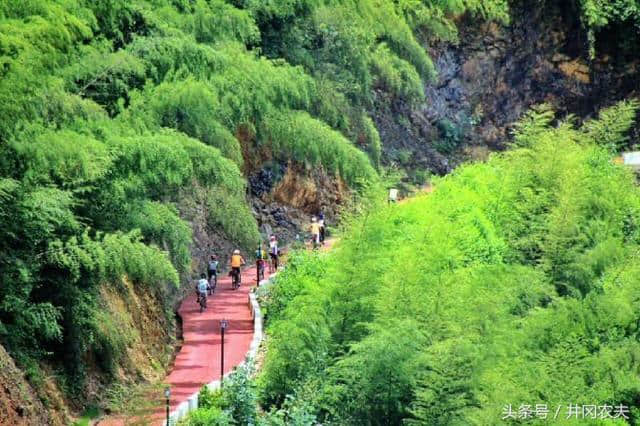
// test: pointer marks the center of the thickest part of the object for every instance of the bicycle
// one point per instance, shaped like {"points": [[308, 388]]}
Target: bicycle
{"points": [[235, 279], [260, 270], [202, 301], [213, 282]]}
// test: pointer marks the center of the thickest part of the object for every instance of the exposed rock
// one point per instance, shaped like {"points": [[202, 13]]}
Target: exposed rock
{"points": [[559, 57], [494, 74], [576, 69], [262, 181], [298, 191], [287, 208]]}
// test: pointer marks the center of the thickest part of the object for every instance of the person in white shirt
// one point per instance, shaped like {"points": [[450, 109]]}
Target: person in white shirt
{"points": [[203, 285], [273, 254]]}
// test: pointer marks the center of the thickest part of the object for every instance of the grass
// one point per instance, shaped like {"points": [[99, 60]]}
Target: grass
{"points": [[91, 413], [136, 402]]}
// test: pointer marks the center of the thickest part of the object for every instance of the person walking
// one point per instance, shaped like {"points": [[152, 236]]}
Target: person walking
{"points": [[315, 232], [393, 196], [322, 227], [273, 254]]}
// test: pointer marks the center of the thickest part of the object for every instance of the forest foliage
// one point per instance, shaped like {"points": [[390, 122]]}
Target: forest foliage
{"points": [[598, 16], [117, 115], [114, 113], [515, 282]]}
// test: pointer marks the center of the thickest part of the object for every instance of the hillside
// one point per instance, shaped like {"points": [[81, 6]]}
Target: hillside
{"points": [[18, 405], [514, 284], [138, 137], [490, 73], [129, 133]]}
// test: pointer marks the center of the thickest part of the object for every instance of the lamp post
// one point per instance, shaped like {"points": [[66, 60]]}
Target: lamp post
{"points": [[167, 395], [223, 326]]}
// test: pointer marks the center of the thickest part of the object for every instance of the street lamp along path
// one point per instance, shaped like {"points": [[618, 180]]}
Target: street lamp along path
{"points": [[167, 395], [223, 326]]}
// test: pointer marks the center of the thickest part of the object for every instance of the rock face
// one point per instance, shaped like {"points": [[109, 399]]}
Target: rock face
{"points": [[284, 202], [18, 403], [494, 74], [486, 81]]}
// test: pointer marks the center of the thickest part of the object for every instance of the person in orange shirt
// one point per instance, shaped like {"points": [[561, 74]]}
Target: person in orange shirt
{"points": [[236, 263]]}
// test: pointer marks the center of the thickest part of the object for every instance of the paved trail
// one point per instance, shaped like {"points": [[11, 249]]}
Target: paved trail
{"points": [[198, 361]]}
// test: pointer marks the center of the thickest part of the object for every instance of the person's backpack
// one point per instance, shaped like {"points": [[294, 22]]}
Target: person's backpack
{"points": [[213, 265]]}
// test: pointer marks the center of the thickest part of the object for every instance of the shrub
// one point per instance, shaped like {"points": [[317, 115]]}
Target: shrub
{"points": [[299, 137], [438, 310], [451, 135], [397, 75], [207, 417], [117, 116], [190, 106]]}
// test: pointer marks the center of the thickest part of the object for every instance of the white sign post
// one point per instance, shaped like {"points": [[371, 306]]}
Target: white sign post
{"points": [[393, 195]]}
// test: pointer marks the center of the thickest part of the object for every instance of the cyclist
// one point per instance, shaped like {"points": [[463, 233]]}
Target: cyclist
{"points": [[202, 289], [315, 232], [260, 256], [236, 263], [273, 254], [212, 272]]}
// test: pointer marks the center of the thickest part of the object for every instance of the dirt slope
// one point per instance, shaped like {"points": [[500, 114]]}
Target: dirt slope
{"points": [[18, 402]]}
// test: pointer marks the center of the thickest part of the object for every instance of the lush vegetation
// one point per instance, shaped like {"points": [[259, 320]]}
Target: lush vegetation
{"points": [[237, 404], [117, 117], [598, 15], [515, 282]]}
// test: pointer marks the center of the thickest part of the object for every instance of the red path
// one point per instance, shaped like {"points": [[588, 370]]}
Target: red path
{"points": [[198, 361]]}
